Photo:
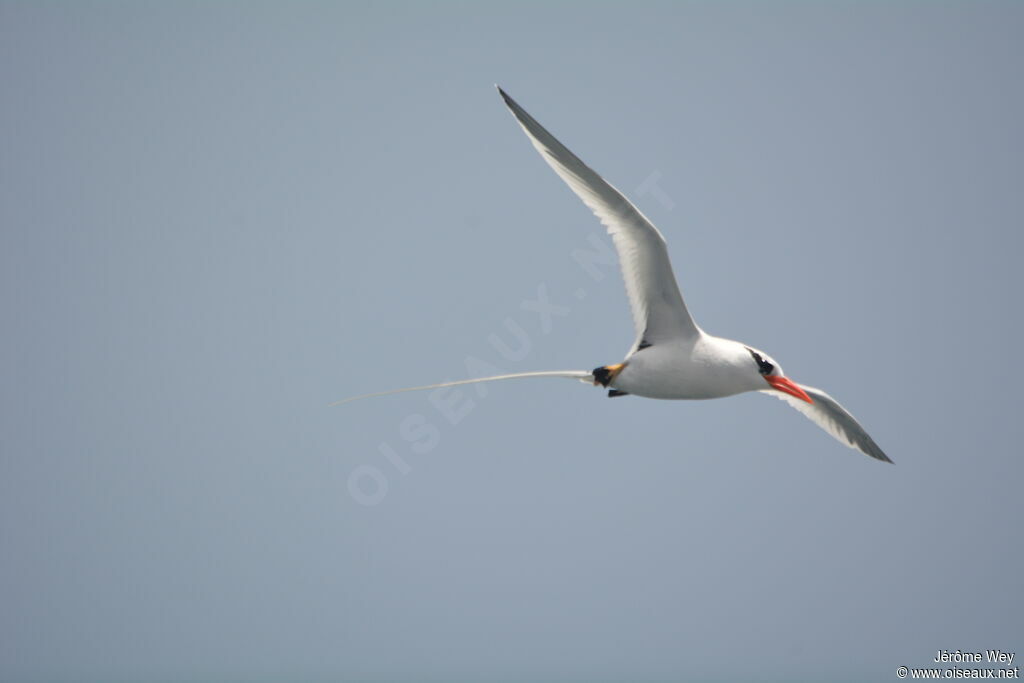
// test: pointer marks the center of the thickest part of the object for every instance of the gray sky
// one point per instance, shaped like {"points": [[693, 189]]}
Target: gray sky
{"points": [[217, 218]]}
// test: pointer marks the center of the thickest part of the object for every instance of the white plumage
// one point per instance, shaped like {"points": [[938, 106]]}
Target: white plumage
{"points": [[671, 358]]}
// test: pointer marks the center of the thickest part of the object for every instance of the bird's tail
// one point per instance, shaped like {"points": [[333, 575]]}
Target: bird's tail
{"points": [[581, 375]]}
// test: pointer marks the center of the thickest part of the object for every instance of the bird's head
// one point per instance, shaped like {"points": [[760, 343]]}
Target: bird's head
{"points": [[771, 372]]}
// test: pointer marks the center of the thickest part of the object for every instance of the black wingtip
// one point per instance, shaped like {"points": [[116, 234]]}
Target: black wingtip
{"points": [[879, 455], [504, 95]]}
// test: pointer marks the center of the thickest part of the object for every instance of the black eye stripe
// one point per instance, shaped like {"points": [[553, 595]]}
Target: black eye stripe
{"points": [[763, 366]]}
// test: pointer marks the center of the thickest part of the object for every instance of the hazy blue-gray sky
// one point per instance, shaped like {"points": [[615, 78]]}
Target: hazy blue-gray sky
{"points": [[218, 217]]}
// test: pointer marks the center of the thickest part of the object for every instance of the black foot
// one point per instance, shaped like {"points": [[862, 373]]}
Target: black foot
{"points": [[612, 393]]}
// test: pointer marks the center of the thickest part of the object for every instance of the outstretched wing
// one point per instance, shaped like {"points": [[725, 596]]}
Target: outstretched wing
{"points": [[659, 312], [834, 419]]}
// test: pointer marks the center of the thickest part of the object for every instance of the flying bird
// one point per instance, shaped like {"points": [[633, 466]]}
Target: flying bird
{"points": [[672, 357]]}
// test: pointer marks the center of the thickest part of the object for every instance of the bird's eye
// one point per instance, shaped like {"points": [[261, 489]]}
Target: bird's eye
{"points": [[763, 366]]}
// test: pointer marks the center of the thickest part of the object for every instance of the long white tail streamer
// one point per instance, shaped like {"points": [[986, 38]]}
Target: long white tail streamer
{"points": [[581, 375]]}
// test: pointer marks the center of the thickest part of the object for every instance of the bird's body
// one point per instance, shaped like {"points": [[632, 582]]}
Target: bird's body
{"points": [[671, 358], [706, 367]]}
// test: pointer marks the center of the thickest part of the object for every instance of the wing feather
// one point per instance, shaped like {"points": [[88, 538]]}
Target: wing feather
{"points": [[659, 312], [834, 419]]}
